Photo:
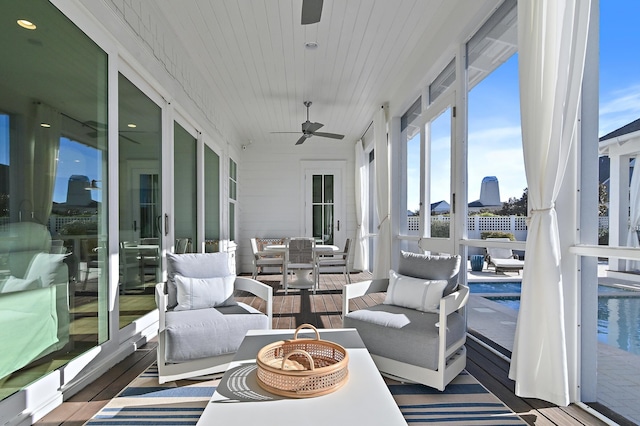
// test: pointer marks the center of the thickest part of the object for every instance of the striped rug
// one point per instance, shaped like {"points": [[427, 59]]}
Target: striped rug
{"points": [[145, 402]]}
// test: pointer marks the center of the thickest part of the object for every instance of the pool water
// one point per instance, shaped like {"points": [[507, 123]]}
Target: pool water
{"points": [[618, 311], [494, 288]]}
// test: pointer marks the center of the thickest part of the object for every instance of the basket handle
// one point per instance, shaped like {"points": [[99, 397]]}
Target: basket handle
{"points": [[299, 352], [295, 334]]}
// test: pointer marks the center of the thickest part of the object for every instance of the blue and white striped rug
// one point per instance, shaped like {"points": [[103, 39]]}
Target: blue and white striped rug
{"points": [[145, 402]]}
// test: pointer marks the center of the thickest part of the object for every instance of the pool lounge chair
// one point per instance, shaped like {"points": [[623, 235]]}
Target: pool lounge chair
{"points": [[503, 259]]}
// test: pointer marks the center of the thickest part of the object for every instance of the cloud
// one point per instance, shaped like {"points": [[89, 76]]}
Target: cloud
{"points": [[620, 108]]}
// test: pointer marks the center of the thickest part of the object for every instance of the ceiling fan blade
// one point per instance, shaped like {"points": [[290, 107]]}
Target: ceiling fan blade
{"points": [[302, 139], [328, 135], [311, 11], [310, 127], [273, 133]]}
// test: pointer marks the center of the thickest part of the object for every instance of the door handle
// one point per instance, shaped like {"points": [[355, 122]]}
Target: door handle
{"points": [[166, 224], [135, 226], [338, 227]]}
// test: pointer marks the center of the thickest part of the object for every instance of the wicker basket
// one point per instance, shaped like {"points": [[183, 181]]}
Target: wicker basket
{"points": [[302, 368]]}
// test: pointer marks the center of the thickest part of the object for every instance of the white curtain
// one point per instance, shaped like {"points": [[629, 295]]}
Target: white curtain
{"points": [[360, 252], [382, 260], [45, 140], [634, 214], [552, 43]]}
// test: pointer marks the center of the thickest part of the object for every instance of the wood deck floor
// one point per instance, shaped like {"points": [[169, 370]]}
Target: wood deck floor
{"points": [[323, 311]]}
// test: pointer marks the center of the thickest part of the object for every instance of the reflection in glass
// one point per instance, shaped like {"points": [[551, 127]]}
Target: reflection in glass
{"points": [[328, 189], [317, 189], [233, 184], [184, 180], [140, 212], [211, 200], [53, 194], [322, 209]]}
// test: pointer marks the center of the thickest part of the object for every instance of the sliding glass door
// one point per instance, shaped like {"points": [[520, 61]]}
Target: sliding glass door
{"points": [[140, 227]]}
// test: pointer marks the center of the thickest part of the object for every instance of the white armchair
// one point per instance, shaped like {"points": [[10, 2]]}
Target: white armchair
{"points": [[200, 324], [422, 344]]}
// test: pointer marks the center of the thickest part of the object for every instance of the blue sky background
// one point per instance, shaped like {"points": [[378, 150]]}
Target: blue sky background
{"points": [[495, 146]]}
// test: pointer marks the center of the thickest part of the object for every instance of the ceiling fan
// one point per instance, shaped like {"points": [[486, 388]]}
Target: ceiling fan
{"points": [[311, 11], [311, 129]]}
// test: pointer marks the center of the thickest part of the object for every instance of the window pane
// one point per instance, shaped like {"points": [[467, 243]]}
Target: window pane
{"points": [[185, 186], [617, 313], [440, 170], [410, 225], [327, 234], [53, 194], [139, 149], [328, 189], [211, 200], [317, 189], [317, 221], [232, 221]]}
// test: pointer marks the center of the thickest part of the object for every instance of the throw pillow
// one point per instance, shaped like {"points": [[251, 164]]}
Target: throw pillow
{"points": [[202, 293], [45, 267], [431, 267], [414, 293], [12, 284], [195, 265]]}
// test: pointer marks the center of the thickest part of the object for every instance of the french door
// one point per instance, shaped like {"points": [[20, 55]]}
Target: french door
{"points": [[437, 145], [324, 204]]}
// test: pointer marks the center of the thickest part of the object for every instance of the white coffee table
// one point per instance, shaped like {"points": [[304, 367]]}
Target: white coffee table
{"points": [[364, 400]]}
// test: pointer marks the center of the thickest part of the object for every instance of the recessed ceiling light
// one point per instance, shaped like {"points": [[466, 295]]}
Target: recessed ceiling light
{"points": [[311, 45], [45, 125], [26, 24], [133, 126]]}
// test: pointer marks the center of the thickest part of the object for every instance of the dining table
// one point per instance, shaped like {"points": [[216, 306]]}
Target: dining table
{"points": [[302, 280]]}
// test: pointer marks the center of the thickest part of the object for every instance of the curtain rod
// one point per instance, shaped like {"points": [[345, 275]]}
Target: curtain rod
{"points": [[369, 126], [366, 130]]}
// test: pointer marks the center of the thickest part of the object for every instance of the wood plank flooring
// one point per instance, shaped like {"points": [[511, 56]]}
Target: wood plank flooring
{"points": [[322, 310]]}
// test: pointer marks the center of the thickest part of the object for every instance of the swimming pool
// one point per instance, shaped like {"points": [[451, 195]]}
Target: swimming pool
{"points": [[618, 311], [494, 288]]}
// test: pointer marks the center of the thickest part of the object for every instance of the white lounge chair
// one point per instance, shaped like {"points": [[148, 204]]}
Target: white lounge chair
{"points": [[503, 259]]}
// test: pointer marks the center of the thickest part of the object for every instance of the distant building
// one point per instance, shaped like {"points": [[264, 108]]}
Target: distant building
{"points": [[440, 207], [489, 195], [77, 193]]}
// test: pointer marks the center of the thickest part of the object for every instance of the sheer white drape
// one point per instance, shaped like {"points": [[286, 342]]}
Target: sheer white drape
{"points": [[634, 214], [360, 253], [44, 143], [552, 43], [382, 260]]}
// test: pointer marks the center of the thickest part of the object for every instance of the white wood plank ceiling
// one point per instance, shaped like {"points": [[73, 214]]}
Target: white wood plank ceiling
{"points": [[252, 54]]}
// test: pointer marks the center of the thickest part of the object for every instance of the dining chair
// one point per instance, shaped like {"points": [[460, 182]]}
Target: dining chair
{"points": [[262, 259], [129, 266], [336, 259], [183, 245], [299, 256]]}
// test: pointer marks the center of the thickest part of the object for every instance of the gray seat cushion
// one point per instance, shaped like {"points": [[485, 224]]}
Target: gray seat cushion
{"points": [[203, 333], [431, 268], [403, 334]]}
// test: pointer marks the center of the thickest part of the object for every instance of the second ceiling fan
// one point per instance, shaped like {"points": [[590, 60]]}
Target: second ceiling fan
{"points": [[311, 129], [311, 11]]}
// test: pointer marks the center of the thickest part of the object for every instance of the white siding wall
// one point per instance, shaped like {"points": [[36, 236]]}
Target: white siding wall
{"points": [[270, 189]]}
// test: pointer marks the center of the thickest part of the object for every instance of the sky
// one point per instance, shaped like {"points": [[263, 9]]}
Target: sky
{"points": [[495, 145]]}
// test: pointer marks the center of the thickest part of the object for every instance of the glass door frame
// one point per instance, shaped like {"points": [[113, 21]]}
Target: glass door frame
{"points": [[338, 170], [445, 102]]}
